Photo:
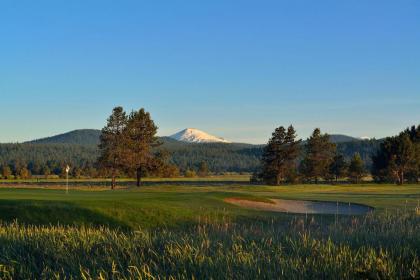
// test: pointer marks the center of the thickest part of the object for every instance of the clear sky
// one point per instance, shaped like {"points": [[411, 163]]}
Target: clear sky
{"points": [[236, 69]]}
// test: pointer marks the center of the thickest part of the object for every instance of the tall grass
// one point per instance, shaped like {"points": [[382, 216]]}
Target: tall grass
{"points": [[376, 246]]}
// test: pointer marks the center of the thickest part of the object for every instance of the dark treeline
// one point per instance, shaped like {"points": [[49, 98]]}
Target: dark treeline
{"points": [[49, 160], [286, 160], [365, 148], [220, 158]]}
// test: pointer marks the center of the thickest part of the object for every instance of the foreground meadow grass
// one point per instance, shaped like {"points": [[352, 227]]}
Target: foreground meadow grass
{"points": [[382, 246], [187, 232]]}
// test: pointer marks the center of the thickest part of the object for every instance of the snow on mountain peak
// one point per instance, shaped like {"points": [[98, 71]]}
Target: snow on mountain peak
{"points": [[193, 135]]}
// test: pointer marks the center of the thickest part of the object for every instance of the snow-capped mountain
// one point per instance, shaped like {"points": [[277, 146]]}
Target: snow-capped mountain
{"points": [[193, 135]]}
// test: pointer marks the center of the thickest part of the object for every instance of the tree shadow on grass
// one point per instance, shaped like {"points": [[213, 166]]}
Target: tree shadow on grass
{"points": [[54, 213]]}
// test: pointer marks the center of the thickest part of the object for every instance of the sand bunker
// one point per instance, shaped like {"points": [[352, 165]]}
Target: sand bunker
{"points": [[303, 207]]}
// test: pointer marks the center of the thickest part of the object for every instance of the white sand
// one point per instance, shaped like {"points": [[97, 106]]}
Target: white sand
{"points": [[302, 207]]}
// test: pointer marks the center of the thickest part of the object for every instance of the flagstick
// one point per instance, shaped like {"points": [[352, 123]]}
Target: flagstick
{"points": [[67, 179]]}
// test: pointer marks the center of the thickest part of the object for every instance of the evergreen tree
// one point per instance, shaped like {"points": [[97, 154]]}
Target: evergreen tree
{"points": [[280, 155], [76, 173], [112, 144], [405, 158], [189, 173], [203, 169], [162, 167], [46, 171], [140, 139], [413, 173], [356, 168], [273, 160], [24, 173], [6, 172], [292, 154], [397, 157], [18, 164], [318, 157], [338, 167]]}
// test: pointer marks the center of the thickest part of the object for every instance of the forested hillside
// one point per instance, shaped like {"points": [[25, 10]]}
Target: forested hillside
{"points": [[365, 148], [46, 159], [41, 158], [220, 157]]}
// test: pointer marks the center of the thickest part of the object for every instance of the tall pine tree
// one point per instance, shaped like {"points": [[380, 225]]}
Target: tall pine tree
{"points": [[318, 157], [356, 168], [203, 169], [338, 167], [112, 146], [280, 155], [398, 157], [140, 139]]}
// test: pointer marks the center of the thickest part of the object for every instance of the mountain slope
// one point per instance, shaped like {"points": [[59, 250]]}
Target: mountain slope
{"points": [[339, 138], [79, 137], [192, 135]]}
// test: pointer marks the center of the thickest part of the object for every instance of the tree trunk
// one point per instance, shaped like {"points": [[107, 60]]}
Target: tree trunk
{"points": [[401, 177], [113, 178], [278, 179], [139, 177], [113, 183]]}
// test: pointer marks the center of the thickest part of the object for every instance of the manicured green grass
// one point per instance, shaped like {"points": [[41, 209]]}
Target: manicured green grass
{"points": [[174, 205]]}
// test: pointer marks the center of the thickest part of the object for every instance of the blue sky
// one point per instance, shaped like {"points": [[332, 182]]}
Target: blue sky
{"points": [[236, 69]]}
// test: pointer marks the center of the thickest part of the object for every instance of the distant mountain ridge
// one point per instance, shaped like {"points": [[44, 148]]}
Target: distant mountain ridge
{"points": [[189, 135], [340, 138], [77, 137]]}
